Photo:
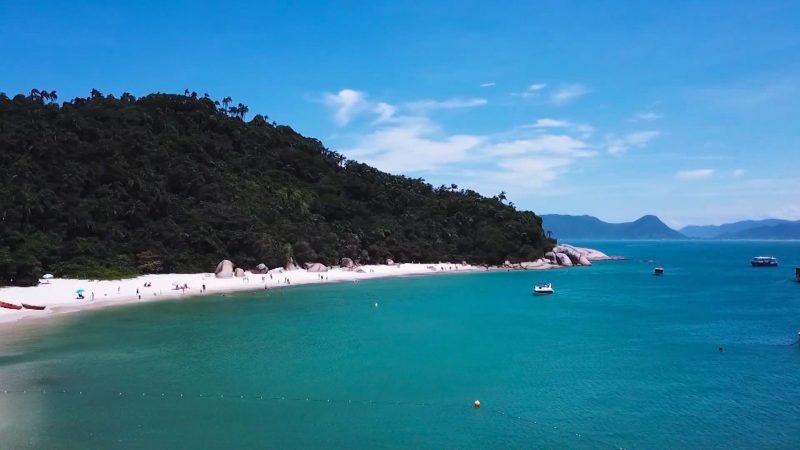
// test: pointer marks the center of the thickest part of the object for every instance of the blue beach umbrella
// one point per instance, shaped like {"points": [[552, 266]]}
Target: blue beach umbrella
{"points": [[80, 291]]}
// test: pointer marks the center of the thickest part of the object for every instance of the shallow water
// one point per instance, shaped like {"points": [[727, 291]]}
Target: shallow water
{"points": [[616, 358]]}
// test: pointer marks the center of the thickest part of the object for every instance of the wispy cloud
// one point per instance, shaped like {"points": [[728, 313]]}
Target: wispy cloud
{"points": [[345, 105], [619, 144], [696, 174], [489, 84], [533, 90], [550, 123], [567, 93], [647, 116], [738, 172], [422, 106]]}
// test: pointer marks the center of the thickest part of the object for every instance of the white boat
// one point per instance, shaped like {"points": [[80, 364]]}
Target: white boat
{"points": [[543, 289]]}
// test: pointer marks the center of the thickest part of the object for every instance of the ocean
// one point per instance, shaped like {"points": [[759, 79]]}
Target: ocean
{"points": [[617, 358]]}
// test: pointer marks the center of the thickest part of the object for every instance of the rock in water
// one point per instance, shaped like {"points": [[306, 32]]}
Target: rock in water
{"points": [[551, 256], [224, 269], [563, 259], [584, 261]]}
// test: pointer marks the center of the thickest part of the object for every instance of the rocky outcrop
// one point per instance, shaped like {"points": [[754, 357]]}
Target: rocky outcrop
{"points": [[239, 273], [551, 256], [563, 259], [261, 268], [389, 262], [290, 264], [224, 269], [316, 267], [347, 263]]}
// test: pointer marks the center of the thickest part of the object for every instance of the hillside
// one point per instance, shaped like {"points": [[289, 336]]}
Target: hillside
{"points": [[785, 230], [108, 187], [715, 231], [589, 227]]}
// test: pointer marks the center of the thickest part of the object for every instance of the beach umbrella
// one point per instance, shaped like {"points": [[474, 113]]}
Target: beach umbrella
{"points": [[80, 291], [47, 276]]}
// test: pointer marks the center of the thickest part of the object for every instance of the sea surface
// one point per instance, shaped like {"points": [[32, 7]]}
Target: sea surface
{"points": [[617, 358]]}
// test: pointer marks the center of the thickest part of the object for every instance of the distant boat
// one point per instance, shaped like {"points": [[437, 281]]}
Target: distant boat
{"points": [[9, 305], [797, 273], [543, 289], [658, 271], [764, 261], [36, 307]]}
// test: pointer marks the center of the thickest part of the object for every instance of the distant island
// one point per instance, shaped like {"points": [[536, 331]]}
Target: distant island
{"points": [[746, 229], [589, 227], [117, 186]]}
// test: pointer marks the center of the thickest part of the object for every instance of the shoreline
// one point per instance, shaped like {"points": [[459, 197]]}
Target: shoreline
{"points": [[60, 299], [59, 295]]}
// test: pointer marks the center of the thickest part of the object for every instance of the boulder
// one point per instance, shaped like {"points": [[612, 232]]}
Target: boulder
{"points": [[276, 270], [507, 264], [563, 260], [584, 261], [239, 273], [261, 268], [316, 267], [389, 262], [347, 263], [224, 269], [290, 264], [551, 256]]}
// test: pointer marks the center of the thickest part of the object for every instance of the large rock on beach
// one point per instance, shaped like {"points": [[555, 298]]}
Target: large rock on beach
{"points": [[551, 256], [239, 272], [290, 264], [389, 262], [261, 268], [316, 267], [347, 263], [224, 269]]}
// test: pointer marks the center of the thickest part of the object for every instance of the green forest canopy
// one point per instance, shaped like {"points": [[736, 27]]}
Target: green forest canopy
{"points": [[107, 187]]}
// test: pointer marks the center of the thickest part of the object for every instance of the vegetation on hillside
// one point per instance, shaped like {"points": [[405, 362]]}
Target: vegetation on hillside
{"points": [[109, 187]]}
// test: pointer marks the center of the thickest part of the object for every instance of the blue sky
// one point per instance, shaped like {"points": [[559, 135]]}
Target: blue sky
{"points": [[688, 110]]}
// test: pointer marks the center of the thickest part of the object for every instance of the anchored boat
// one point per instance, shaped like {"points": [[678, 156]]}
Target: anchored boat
{"points": [[9, 305], [764, 261], [543, 289]]}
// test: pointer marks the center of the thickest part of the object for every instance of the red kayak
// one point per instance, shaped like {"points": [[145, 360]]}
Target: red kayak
{"points": [[9, 305], [36, 307]]}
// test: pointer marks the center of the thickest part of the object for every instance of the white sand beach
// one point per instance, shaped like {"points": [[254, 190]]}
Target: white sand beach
{"points": [[59, 295]]}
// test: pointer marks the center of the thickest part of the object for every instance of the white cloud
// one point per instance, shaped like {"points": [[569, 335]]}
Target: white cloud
{"points": [[550, 123], [617, 145], [559, 145], [345, 104], [384, 111], [412, 145], [490, 84], [738, 172], [530, 91], [568, 93], [647, 115], [422, 106], [697, 174]]}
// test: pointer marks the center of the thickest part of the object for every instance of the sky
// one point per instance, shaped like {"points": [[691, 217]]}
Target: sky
{"points": [[687, 110]]}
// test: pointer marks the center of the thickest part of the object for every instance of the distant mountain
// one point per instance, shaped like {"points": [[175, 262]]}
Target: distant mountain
{"points": [[589, 227], [785, 230], [715, 231]]}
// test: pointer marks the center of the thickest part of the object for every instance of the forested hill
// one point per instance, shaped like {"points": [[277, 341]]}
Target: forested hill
{"points": [[107, 187]]}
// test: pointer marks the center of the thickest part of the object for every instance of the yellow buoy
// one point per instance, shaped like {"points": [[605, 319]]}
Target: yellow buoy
{"points": [[476, 404]]}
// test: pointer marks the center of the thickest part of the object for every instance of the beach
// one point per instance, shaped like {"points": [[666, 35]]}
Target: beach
{"points": [[59, 296]]}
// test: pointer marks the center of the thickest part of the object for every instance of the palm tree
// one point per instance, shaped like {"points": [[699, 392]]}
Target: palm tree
{"points": [[242, 110], [226, 101], [186, 92], [44, 95], [35, 95], [53, 96], [96, 94]]}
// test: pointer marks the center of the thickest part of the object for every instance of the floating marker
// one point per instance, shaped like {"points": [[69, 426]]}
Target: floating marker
{"points": [[476, 404]]}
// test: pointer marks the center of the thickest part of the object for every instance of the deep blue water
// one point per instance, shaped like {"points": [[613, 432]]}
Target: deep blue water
{"points": [[616, 358]]}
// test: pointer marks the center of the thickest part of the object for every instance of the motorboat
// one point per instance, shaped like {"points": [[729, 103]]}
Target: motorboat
{"points": [[9, 305], [764, 261], [543, 289], [36, 307], [658, 271]]}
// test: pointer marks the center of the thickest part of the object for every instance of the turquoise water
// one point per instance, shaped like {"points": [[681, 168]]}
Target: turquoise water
{"points": [[617, 358]]}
